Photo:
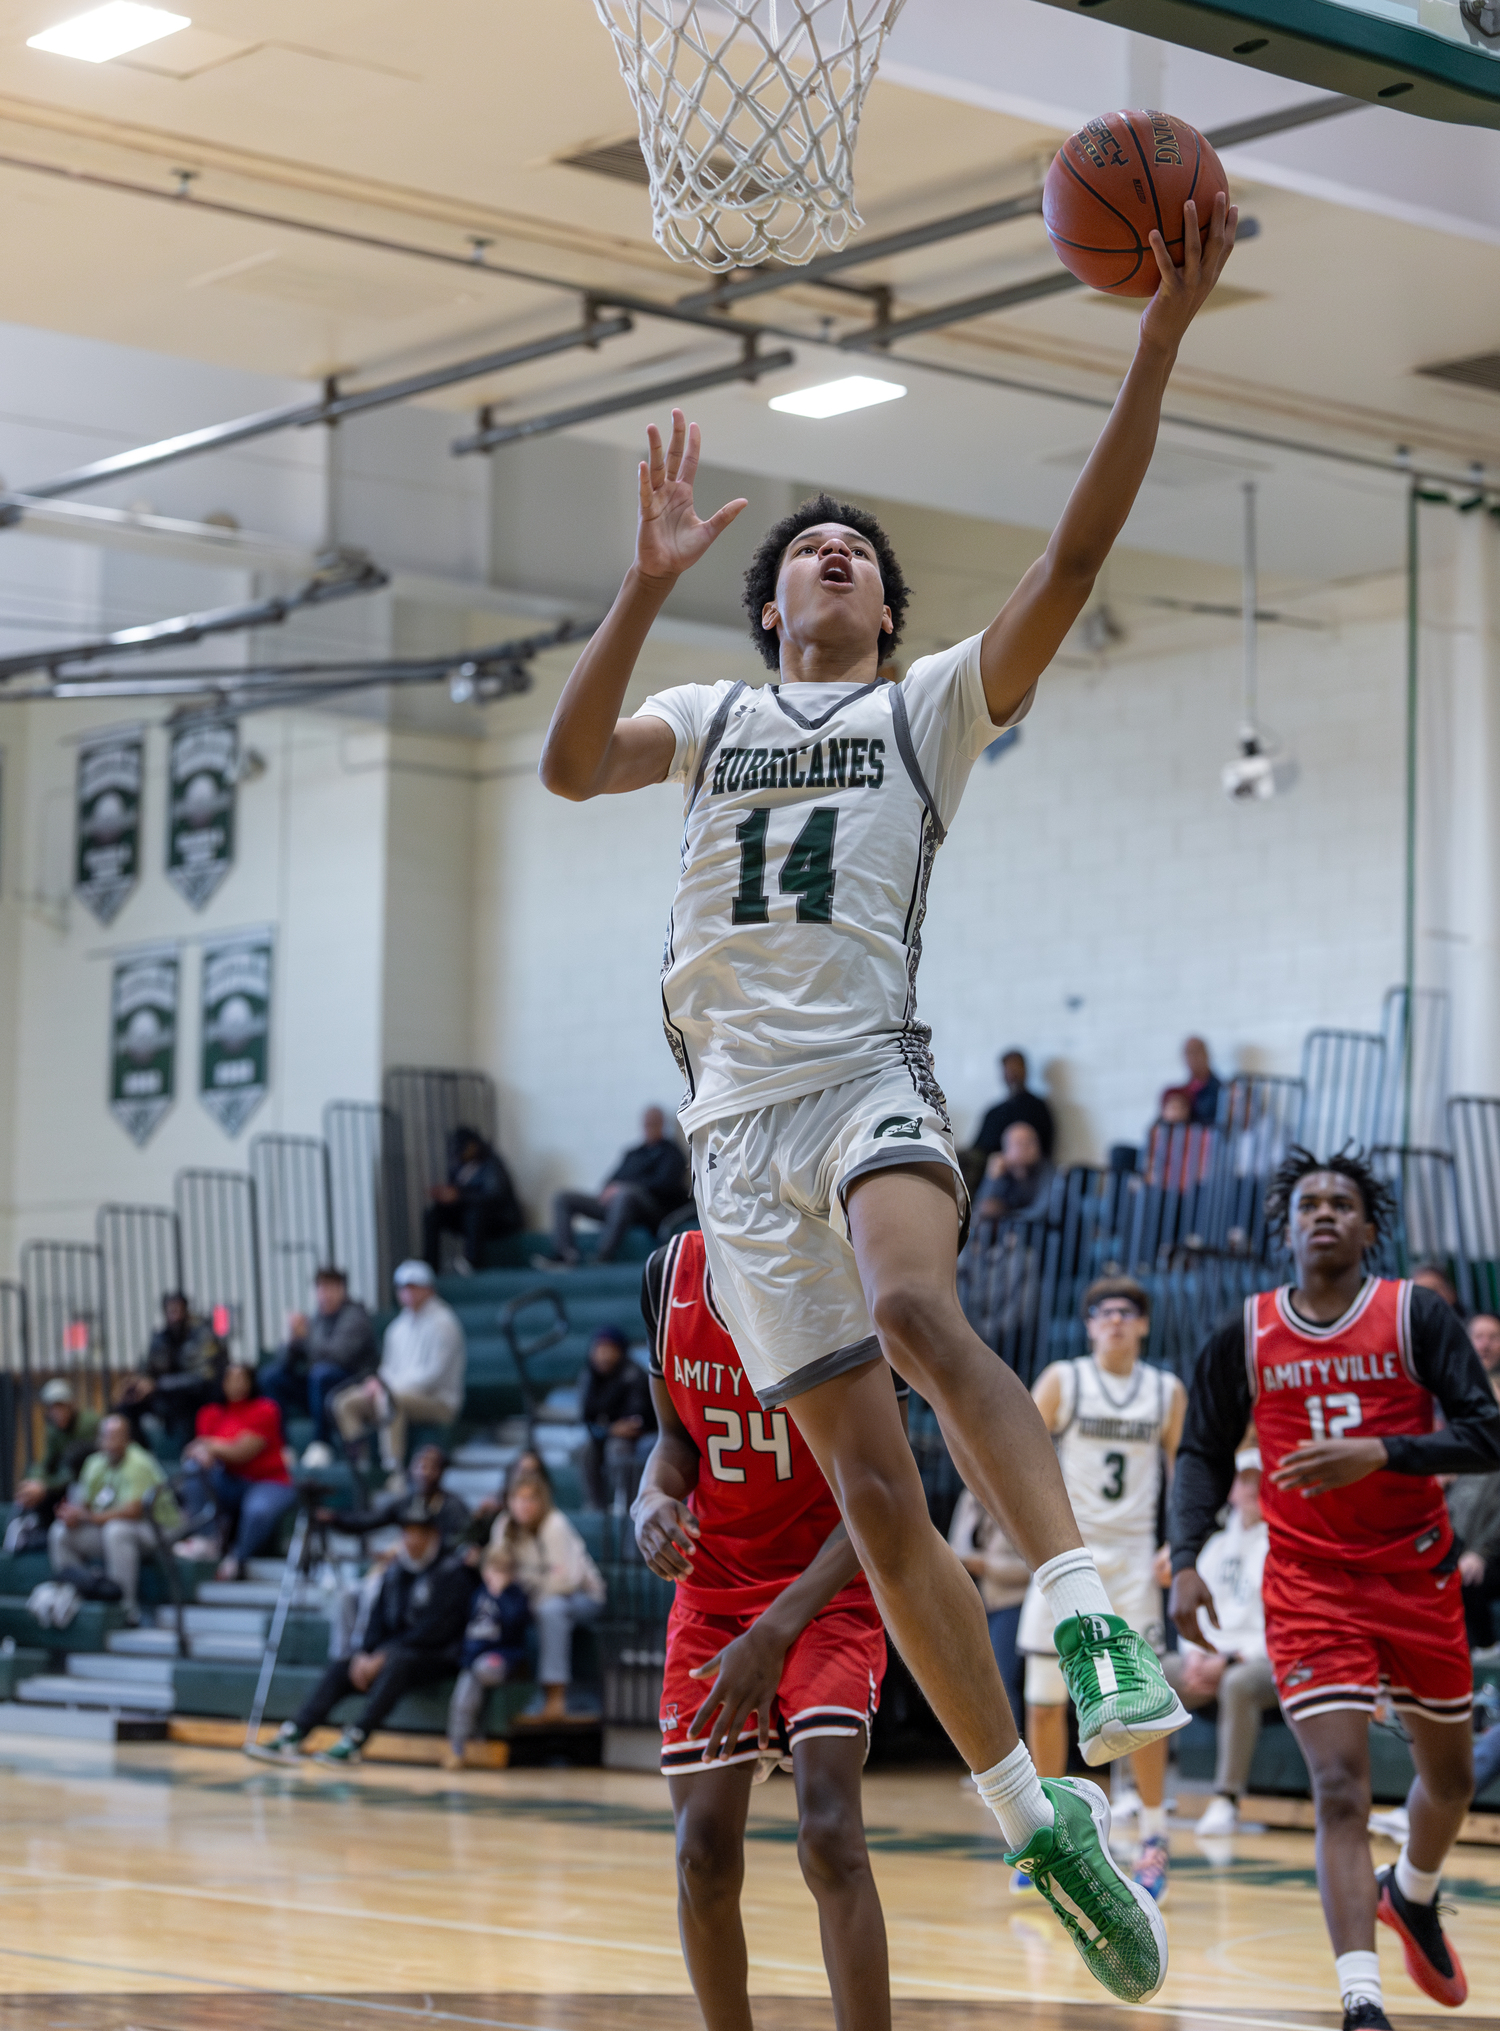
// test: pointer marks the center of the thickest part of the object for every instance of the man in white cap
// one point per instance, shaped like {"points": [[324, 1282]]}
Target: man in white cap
{"points": [[421, 1376], [1236, 1672], [71, 1433]]}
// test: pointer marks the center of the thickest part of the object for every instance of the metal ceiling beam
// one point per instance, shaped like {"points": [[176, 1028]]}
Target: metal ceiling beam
{"points": [[490, 435], [874, 336], [330, 409]]}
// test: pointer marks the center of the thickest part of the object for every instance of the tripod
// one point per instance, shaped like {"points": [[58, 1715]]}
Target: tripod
{"points": [[308, 1548]]}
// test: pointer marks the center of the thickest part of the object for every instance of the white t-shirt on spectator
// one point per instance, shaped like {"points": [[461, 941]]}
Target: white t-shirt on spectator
{"points": [[1232, 1563]]}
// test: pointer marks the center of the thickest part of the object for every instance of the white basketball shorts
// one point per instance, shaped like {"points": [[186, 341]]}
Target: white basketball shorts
{"points": [[1133, 1595], [770, 1187]]}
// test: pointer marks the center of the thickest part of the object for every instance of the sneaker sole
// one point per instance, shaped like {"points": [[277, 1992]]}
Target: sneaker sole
{"points": [[1450, 1991], [1119, 1738], [262, 1752], [1098, 1806]]}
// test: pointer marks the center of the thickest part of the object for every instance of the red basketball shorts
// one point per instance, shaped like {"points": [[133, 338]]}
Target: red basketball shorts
{"points": [[1340, 1638], [830, 1684]]}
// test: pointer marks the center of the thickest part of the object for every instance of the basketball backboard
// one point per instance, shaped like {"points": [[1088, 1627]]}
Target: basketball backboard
{"points": [[1437, 58]]}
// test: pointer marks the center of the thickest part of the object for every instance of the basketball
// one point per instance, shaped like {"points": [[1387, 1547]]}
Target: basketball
{"points": [[1113, 182]]}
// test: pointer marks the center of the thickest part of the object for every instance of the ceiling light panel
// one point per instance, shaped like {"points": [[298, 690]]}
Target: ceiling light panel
{"points": [[837, 398], [111, 31]]}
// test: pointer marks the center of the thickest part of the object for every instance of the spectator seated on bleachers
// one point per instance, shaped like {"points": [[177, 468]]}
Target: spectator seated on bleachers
{"points": [[423, 1487], [478, 1202], [1019, 1104], [412, 1636], [1433, 1276], [527, 1462], [183, 1370], [1002, 1576], [1201, 1086], [108, 1524], [562, 1583], [421, 1373], [71, 1433], [494, 1647], [615, 1405], [648, 1183], [235, 1471], [1237, 1673], [322, 1353], [1017, 1182], [1484, 1331]]}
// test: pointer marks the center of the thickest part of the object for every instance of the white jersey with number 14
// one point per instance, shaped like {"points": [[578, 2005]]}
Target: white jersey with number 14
{"points": [[812, 816]]}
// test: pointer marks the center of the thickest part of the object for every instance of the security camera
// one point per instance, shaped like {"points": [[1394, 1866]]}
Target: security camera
{"points": [[1260, 771]]}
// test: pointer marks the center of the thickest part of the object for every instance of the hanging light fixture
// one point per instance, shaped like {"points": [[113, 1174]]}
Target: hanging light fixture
{"points": [[1262, 768]]}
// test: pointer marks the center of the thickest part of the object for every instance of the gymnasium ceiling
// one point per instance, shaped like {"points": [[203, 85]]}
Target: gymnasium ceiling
{"points": [[435, 126]]}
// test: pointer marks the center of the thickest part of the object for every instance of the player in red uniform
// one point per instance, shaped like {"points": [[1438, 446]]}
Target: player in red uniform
{"points": [[1343, 1373], [775, 1652]]}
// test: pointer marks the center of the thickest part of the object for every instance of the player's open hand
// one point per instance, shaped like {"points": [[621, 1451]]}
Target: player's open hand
{"points": [[667, 1533], [669, 537], [1182, 292], [1190, 1593], [1329, 1463], [746, 1675]]}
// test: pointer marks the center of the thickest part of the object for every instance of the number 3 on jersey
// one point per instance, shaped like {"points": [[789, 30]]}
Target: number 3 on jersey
{"points": [[732, 1440], [1342, 1414], [806, 873]]}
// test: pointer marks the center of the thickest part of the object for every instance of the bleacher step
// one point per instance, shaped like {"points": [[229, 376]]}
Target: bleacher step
{"points": [[153, 1644], [217, 1621], [255, 1594], [117, 1670], [127, 1695], [81, 1724]]}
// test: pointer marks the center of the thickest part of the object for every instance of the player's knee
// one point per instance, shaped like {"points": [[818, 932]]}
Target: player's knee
{"points": [[710, 1865], [905, 1314], [1342, 1794], [831, 1848], [878, 1519]]}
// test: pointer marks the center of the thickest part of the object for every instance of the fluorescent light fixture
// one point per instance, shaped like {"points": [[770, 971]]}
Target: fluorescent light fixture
{"points": [[836, 398], [106, 32]]}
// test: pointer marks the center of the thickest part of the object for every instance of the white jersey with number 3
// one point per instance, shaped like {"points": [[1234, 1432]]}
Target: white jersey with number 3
{"points": [[813, 813], [1110, 1451]]}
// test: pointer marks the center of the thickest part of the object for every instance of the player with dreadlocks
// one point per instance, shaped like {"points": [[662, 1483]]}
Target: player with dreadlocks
{"points": [[1342, 1373]]}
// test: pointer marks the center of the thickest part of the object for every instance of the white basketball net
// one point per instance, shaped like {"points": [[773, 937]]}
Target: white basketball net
{"points": [[748, 112]]}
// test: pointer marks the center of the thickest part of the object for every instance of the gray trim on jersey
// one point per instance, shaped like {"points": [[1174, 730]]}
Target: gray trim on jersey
{"points": [[813, 725], [910, 1153], [711, 739], [906, 748], [714, 734], [858, 1354]]}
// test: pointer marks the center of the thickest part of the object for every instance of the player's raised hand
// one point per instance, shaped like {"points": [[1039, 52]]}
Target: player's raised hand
{"points": [[669, 536], [1329, 1463], [746, 1675], [1182, 292], [667, 1532]]}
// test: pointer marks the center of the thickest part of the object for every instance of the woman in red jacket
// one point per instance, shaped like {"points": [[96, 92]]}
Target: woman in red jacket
{"points": [[235, 1464]]}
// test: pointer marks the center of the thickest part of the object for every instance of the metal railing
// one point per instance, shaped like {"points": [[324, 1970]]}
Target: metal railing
{"points": [[140, 1249], [367, 1177], [1428, 1228], [1343, 1072], [221, 1254], [430, 1104], [633, 1631], [1413, 1107], [65, 1327], [294, 1205], [16, 1441], [1474, 1133]]}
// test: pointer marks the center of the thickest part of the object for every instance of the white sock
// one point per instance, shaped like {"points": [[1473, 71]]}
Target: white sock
{"points": [[1071, 1585], [1359, 1979], [1153, 1822], [1417, 1886], [1013, 1792]]}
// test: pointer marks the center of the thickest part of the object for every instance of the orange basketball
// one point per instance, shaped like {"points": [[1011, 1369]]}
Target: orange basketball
{"points": [[1115, 180]]}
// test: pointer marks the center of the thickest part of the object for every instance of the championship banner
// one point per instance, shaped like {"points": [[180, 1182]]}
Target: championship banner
{"points": [[110, 769], [201, 775], [143, 1040], [236, 1027]]}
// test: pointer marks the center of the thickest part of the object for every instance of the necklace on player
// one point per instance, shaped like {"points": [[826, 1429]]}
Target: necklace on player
{"points": [[1118, 1402]]}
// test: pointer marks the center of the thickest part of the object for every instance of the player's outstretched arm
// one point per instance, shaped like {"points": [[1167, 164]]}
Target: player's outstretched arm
{"points": [[747, 1672], [589, 750], [1029, 629]]}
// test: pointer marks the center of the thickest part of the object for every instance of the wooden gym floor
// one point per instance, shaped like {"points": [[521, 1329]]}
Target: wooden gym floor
{"points": [[160, 1888]]}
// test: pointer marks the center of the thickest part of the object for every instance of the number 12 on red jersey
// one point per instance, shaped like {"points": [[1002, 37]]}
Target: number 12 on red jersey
{"points": [[1332, 1417], [732, 1440]]}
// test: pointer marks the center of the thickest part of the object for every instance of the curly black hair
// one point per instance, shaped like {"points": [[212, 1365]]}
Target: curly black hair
{"points": [[760, 578], [1351, 1163]]}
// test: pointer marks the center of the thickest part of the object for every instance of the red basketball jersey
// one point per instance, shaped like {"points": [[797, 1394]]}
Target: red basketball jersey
{"points": [[1353, 1378], [765, 1508]]}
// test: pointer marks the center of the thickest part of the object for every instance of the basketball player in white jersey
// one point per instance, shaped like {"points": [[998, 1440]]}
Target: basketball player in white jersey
{"points": [[823, 1162], [1115, 1421]]}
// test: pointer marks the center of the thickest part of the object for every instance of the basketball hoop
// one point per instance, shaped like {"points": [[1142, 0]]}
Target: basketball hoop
{"points": [[748, 113]]}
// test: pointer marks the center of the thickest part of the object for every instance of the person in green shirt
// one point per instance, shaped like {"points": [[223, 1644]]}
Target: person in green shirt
{"points": [[72, 1433], [108, 1523]]}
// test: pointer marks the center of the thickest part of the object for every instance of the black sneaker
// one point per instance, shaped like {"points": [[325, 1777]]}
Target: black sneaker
{"points": [[1363, 2015], [1430, 1960]]}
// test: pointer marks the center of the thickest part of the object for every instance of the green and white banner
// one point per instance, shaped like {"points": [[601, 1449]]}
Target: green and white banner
{"points": [[236, 1027], [108, 862], [205, 759], [143, 1039]]}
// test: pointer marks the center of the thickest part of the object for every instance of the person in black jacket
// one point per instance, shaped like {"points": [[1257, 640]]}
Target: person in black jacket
{"points": [[425, 1489], [183, 1371], [334, 1347], [1019, 1104], [616, 1407], [478, 1201], [413, 1636], [647, 1184]]}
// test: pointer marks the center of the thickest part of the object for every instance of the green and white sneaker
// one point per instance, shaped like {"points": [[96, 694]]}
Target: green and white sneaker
{"points": [[1117, 1684], [347, 1749], [285, 1746], [1114, 1924]]}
